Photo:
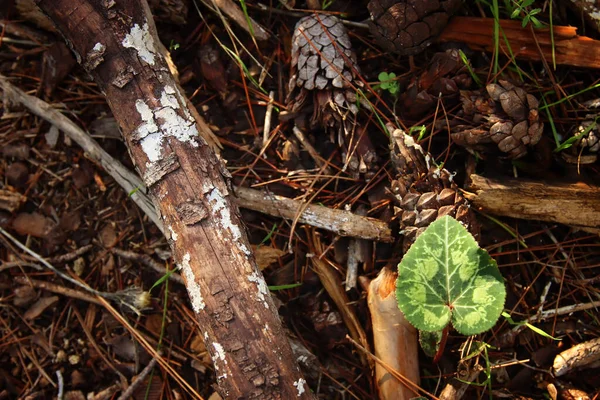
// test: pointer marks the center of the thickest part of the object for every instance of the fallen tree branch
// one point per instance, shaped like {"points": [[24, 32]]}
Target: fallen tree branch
{"points": [[340, 222], [569, 48], [574, 204], [118, 45]]}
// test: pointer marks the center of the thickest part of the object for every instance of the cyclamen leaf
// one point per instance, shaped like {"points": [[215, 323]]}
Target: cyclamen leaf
{"points": [[446, 277]]}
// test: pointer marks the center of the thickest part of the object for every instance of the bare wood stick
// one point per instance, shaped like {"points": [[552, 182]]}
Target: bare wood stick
{"points": [[62, 290], [573, 204], [570, 49], [118, 45], [394, 338], [578, 356], [341, 222]]}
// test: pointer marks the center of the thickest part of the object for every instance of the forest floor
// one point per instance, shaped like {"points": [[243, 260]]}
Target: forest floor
{"points": [[64, 207]]}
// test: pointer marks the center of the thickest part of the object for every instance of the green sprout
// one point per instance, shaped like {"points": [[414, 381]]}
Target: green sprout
{"points": [[389, 82]]}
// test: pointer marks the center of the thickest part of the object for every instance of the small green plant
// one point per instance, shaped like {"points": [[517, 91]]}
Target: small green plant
{"points": [[445, 277], [325, 4], [420, 129], [522, 9], [173, 45], [389, 82]]}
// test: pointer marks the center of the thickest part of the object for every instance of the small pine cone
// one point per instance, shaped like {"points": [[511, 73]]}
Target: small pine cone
{"points": [[585, 149], [324, 70], [506, 115], [591, 140], [407, 27], [424, 192], [447, 75]]}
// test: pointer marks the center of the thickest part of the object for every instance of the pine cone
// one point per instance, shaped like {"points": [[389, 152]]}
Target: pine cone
{"points": [[506, 115], [324, 65], [585, 149], [447, 74], [407, 27], [423, 191]]}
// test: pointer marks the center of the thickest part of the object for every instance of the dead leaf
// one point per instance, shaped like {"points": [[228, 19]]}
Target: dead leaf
{"points": [[33, 224], [39, 307], [266, 255]]}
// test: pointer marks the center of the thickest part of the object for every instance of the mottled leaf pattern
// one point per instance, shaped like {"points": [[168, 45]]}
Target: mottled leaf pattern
{"points": [[446, 277]]}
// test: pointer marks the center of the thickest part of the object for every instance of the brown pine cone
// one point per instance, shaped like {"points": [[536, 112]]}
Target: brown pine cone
{"points": [[585, 149], [407, 27], [506, 115], [447, 75], [423, 191], [324, 70]]}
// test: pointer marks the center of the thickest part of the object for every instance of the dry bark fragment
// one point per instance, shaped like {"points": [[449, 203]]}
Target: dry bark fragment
{"points": [[228, 294], [578, 356]]}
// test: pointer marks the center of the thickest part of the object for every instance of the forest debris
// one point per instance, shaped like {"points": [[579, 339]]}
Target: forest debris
{"points": [[33, 224], [408, 27], [503, 114], [574, 204], [333, 286], [394, 339], [39, 307], [341, 222], [589, 10], [17, 174], [577, 357], [11, 201], [569, 49]]}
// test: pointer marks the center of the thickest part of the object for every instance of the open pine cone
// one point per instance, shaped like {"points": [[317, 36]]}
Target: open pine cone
{"points": [[324, 70], [505, 115], [446, 75], [585, 150], [423, 191], [407, 27]]}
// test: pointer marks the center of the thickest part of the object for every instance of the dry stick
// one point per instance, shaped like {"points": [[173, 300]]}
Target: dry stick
{"points": [[138, 380], [148, 262], [190, 187], [341, 222], [51, 287], [574, 204], [268, 115]]}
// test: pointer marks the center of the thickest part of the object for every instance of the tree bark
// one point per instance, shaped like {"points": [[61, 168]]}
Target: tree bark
{"points": [[118, 45]]}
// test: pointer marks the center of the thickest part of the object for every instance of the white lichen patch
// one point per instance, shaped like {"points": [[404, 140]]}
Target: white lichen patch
{"points": [[192, 286], [219, 354], [99, 47], [142, 41], [263, 289], [300, 386], [223, 216], [174, 234], [162, 122]]}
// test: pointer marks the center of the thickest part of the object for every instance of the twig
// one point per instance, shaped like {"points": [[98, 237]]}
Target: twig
{"points": [[311, 150], [138, 381], [148, 262], [268, 114], [51, 287], [61, 385]]}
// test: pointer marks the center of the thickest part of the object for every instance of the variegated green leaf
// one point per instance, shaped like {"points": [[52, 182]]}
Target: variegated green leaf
{"points": [[446, 277]]}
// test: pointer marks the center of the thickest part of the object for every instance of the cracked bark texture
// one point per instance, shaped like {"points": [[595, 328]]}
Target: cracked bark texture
{"points": [[118, 45]]}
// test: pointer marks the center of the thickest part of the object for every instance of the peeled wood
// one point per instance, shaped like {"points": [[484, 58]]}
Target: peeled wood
{"points": [[570, 49], [118, 45], [576, 204], [394, 338]]}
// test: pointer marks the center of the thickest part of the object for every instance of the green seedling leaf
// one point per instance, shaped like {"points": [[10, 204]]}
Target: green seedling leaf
{"points": [[446, 277], [528, 325], [275, 288]]}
